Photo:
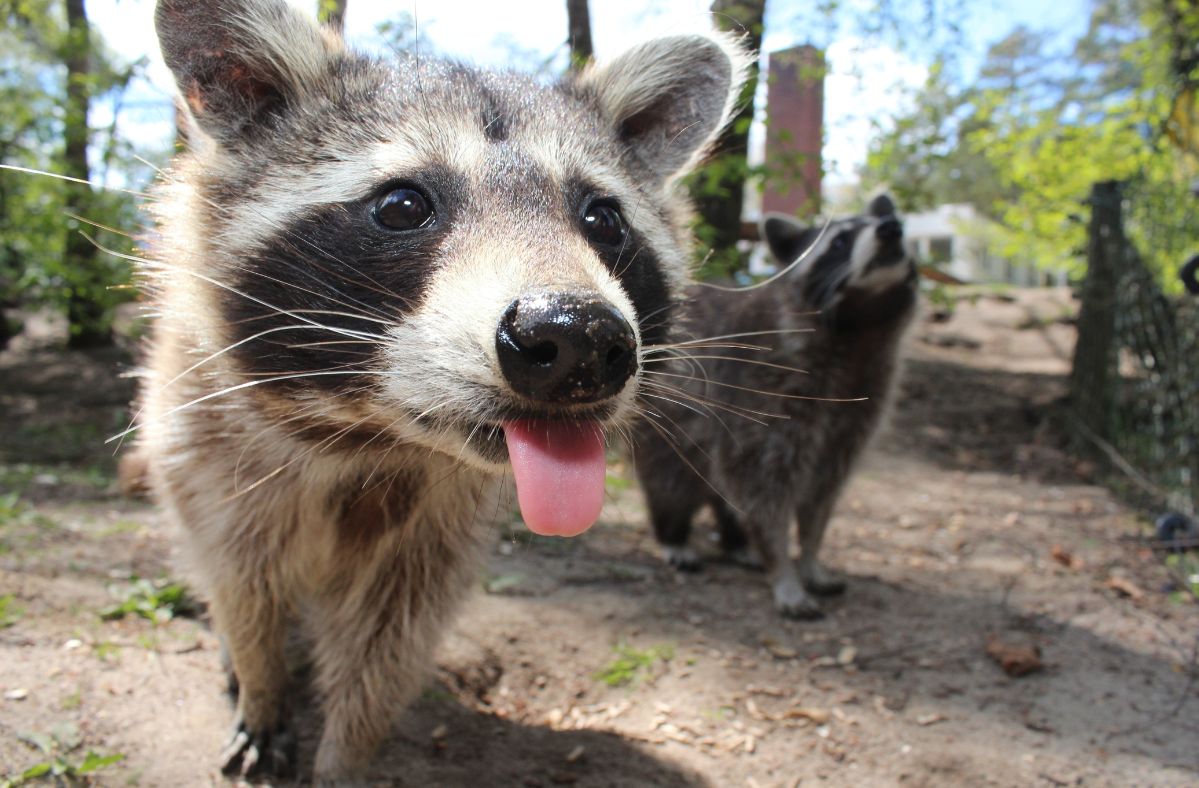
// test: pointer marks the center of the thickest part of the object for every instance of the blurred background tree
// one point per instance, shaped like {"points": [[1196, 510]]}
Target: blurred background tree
{"points": [[54, 68]]}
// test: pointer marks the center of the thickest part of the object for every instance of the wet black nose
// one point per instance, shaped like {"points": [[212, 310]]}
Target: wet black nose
{"points": [[565, 348], [889, 230]]}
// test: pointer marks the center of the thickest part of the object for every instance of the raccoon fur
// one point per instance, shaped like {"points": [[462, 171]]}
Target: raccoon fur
{"points": [[375, 283], [766, 438]]}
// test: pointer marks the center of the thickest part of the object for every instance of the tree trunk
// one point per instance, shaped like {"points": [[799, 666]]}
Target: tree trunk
{"points": [[333, 14], [86, 315], [719, 189], [1093, 376], [578, 18]]}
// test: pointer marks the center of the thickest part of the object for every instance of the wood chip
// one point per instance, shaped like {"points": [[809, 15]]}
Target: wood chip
{"points": [[1066, 558], [575, 754], [439, 732], [818, 716], [930, 719], [1125, 587], [847, 655], [1016, 659]]}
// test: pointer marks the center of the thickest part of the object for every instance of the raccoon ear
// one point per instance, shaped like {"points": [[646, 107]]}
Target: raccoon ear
{"points": [[786, 237], [239, 62], [881, 206], [669, 97]]}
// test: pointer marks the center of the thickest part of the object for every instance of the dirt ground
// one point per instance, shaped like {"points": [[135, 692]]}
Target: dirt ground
{"points": [[968, 535]]}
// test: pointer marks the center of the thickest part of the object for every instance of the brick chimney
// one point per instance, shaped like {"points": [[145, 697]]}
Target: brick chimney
{"points": [[794, 131]]}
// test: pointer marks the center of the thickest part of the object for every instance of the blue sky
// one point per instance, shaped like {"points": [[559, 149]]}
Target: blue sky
{"points": [[865, 84]]}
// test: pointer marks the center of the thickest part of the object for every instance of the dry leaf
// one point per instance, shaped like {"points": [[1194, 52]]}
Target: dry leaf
{"points": [[1015, 659], [1065, 557]]}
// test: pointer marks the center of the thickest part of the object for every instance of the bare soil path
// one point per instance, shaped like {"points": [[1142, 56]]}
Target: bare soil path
{"points": [[968, 536]]}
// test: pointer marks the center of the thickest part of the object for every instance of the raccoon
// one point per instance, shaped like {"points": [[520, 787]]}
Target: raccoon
{"points": [[768, 433], [381, 285]]}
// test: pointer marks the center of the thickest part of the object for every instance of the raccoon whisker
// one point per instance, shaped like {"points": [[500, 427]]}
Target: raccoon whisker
{"points": [[761, 391], [687, 396], [670, 442], [305, 345], [700, 345], [318, 447], [772, 332], [686, 435], [148, 263], [96, 224], [739, 360], [777, 274], [137, 413], [98, 186], [739, 410], [252, 383]]}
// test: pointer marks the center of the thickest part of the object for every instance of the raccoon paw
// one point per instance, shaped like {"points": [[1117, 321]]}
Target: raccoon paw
{"points": [[791, 601], [682, 558], [821, 582], [264, 752]]}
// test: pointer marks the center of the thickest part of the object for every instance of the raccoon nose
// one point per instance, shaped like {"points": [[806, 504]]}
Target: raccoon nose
{"points": [[889, 230], [565, 348]]}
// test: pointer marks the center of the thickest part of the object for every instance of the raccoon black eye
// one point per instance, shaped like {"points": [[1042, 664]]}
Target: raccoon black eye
{"points": [[403, 209], [841, 242], [603, 223]]}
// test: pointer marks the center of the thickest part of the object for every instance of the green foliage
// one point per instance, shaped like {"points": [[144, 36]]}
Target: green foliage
{"points": [[1038, 128], [10, 611], [631, 663], [35, 269], [156, 602], [59, 769]]}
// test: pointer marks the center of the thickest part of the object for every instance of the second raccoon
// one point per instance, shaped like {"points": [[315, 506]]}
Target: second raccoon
{"points": [[840, 317]]}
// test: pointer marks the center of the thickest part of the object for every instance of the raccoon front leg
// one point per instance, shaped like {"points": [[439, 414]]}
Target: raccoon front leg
{"points": [[253, 634], [671, 517], [813, 523], [769, 528], [733, 540], [375, 642]]}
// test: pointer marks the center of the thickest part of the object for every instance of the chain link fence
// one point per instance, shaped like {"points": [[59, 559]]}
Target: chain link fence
{"points": [[1135, 380]]}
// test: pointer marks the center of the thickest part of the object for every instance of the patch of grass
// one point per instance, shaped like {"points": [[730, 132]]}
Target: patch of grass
{"points": [[631, 663], [14, 512], [1185, 569], [156, 602], [616, 482], [105, 650], [58, 765], [10, 611], [60, 769], [72, 701], [121, 527]]}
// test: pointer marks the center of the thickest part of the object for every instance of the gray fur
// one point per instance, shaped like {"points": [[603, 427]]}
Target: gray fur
{"points": [[842, 323], [352, 508]]}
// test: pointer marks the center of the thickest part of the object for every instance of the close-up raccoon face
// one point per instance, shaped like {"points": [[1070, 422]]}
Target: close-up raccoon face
{"points": [[853, 263], [416, 251]]}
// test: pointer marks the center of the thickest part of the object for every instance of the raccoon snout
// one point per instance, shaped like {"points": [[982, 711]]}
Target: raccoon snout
{"points": [[565, 348], [889, 230]]}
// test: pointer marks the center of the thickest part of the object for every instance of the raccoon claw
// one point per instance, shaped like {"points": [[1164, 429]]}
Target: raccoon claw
{"points": [[682, 558], [265, 752]]}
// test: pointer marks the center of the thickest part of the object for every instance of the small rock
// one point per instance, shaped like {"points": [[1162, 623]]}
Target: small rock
{"points": [[439, 732], [575, 754], [20, 693], [72, 644]]}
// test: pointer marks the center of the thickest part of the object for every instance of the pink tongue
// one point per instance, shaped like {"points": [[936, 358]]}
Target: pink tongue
{"points": [[559, 470]]}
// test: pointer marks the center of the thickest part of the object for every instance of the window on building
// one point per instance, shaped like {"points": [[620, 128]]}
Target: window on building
{"points": [[940, 250]]}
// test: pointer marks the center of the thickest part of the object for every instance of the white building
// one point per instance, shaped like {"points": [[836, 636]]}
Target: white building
{"points": [[956, 239]]}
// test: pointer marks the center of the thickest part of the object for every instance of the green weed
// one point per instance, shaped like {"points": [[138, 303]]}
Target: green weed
{"points": [[631, 663], [155, 602], [58, 765], [10, 611]]}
